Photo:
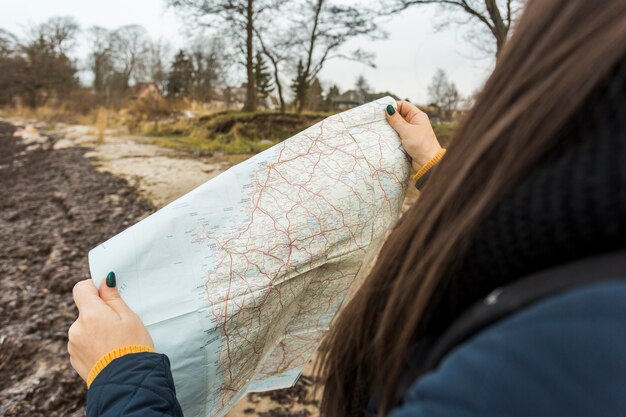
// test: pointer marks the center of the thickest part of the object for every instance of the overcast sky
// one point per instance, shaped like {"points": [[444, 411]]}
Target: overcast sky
{"points": [[405, 62]]}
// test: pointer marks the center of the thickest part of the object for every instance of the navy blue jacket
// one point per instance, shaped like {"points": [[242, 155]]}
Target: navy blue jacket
{"points": [[135, 385], [563, 356]]}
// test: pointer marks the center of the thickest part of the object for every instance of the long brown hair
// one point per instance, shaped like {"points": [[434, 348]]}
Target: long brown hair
{"points": [[560, 50]]}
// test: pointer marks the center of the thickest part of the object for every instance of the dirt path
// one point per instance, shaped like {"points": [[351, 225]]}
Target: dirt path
{"points": [[59, 197], [160, 174]]}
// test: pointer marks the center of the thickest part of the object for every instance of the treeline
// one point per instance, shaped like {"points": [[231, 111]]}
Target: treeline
{"points": [[40, 67], [255, 50], [298, 37], [264, 46]]}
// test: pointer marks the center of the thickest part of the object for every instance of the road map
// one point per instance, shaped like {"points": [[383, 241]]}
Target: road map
{"points": [[238, 280]]}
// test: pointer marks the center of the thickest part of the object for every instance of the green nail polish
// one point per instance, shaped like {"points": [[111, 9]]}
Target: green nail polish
{"points": [[390, 110], [111, 280]]}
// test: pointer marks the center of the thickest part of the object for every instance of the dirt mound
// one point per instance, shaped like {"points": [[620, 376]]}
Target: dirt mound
{"points": [[257, 126], [232, 132]]}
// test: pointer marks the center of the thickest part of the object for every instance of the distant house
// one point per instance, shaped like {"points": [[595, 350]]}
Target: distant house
{"points": [[235, 97], [353, 98], [228, 97], [146, 91]]}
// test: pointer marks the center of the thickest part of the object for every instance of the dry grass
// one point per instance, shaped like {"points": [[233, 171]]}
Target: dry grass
{"points": [[232, 132], [101, 123]]}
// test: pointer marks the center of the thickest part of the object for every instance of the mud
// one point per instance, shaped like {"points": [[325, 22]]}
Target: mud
{"points": [[54, 207]]}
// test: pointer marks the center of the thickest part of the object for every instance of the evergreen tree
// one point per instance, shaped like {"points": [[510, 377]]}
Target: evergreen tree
{"points": [[315, 96], [46, 70], [262, 78], [180, 79], [333, 92], [362, 88], [299, 87]]}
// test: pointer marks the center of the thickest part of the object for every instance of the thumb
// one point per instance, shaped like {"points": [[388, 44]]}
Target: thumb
{"points": [[397, 122], [86, 295], [110, 295]]}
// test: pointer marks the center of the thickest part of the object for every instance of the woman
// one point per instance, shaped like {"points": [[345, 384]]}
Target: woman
{"points": [[502, 290]]}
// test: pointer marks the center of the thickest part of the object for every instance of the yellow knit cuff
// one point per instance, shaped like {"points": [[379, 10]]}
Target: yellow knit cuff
{"points": [[434, 161], [111, 356]]}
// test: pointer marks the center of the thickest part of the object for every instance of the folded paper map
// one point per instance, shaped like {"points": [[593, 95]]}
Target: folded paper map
{"points": [[238, 280]]}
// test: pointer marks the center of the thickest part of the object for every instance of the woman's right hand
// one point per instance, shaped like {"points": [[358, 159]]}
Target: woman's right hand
{"points": [[105, 322], [415, 131]]}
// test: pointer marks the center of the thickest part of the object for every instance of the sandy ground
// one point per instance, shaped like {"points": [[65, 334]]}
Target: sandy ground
{"points": [[160, 174]]}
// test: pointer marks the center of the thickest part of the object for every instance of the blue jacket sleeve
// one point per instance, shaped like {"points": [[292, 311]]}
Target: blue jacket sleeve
{"points": [[135, 385], [561, 357]]}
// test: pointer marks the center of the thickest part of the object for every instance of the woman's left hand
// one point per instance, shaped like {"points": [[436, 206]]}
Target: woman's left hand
{"points": [[415, 131], [105, 322]]}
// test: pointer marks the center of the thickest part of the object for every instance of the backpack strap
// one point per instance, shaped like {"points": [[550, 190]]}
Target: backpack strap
{"points": [[508, 300]]}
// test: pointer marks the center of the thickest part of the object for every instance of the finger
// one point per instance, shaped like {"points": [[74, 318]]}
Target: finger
{"points": [[397, 122], [111, 296], [85, 295], [411, 113]]}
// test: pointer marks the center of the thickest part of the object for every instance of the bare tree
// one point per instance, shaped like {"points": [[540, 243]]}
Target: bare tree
{"points": [[158, 54], [444, 94], [323, 28], [495, 17], [277, 50], [129, 45], [239, 18], [100, 58], [59, 32], [118, 58], [209, 62]]}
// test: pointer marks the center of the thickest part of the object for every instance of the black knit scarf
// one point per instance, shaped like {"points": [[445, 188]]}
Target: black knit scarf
{"points": [[571, 205]]}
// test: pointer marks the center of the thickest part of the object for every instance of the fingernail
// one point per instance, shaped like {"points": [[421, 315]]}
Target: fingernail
{"points": [[390, 110], [111, 280]]}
